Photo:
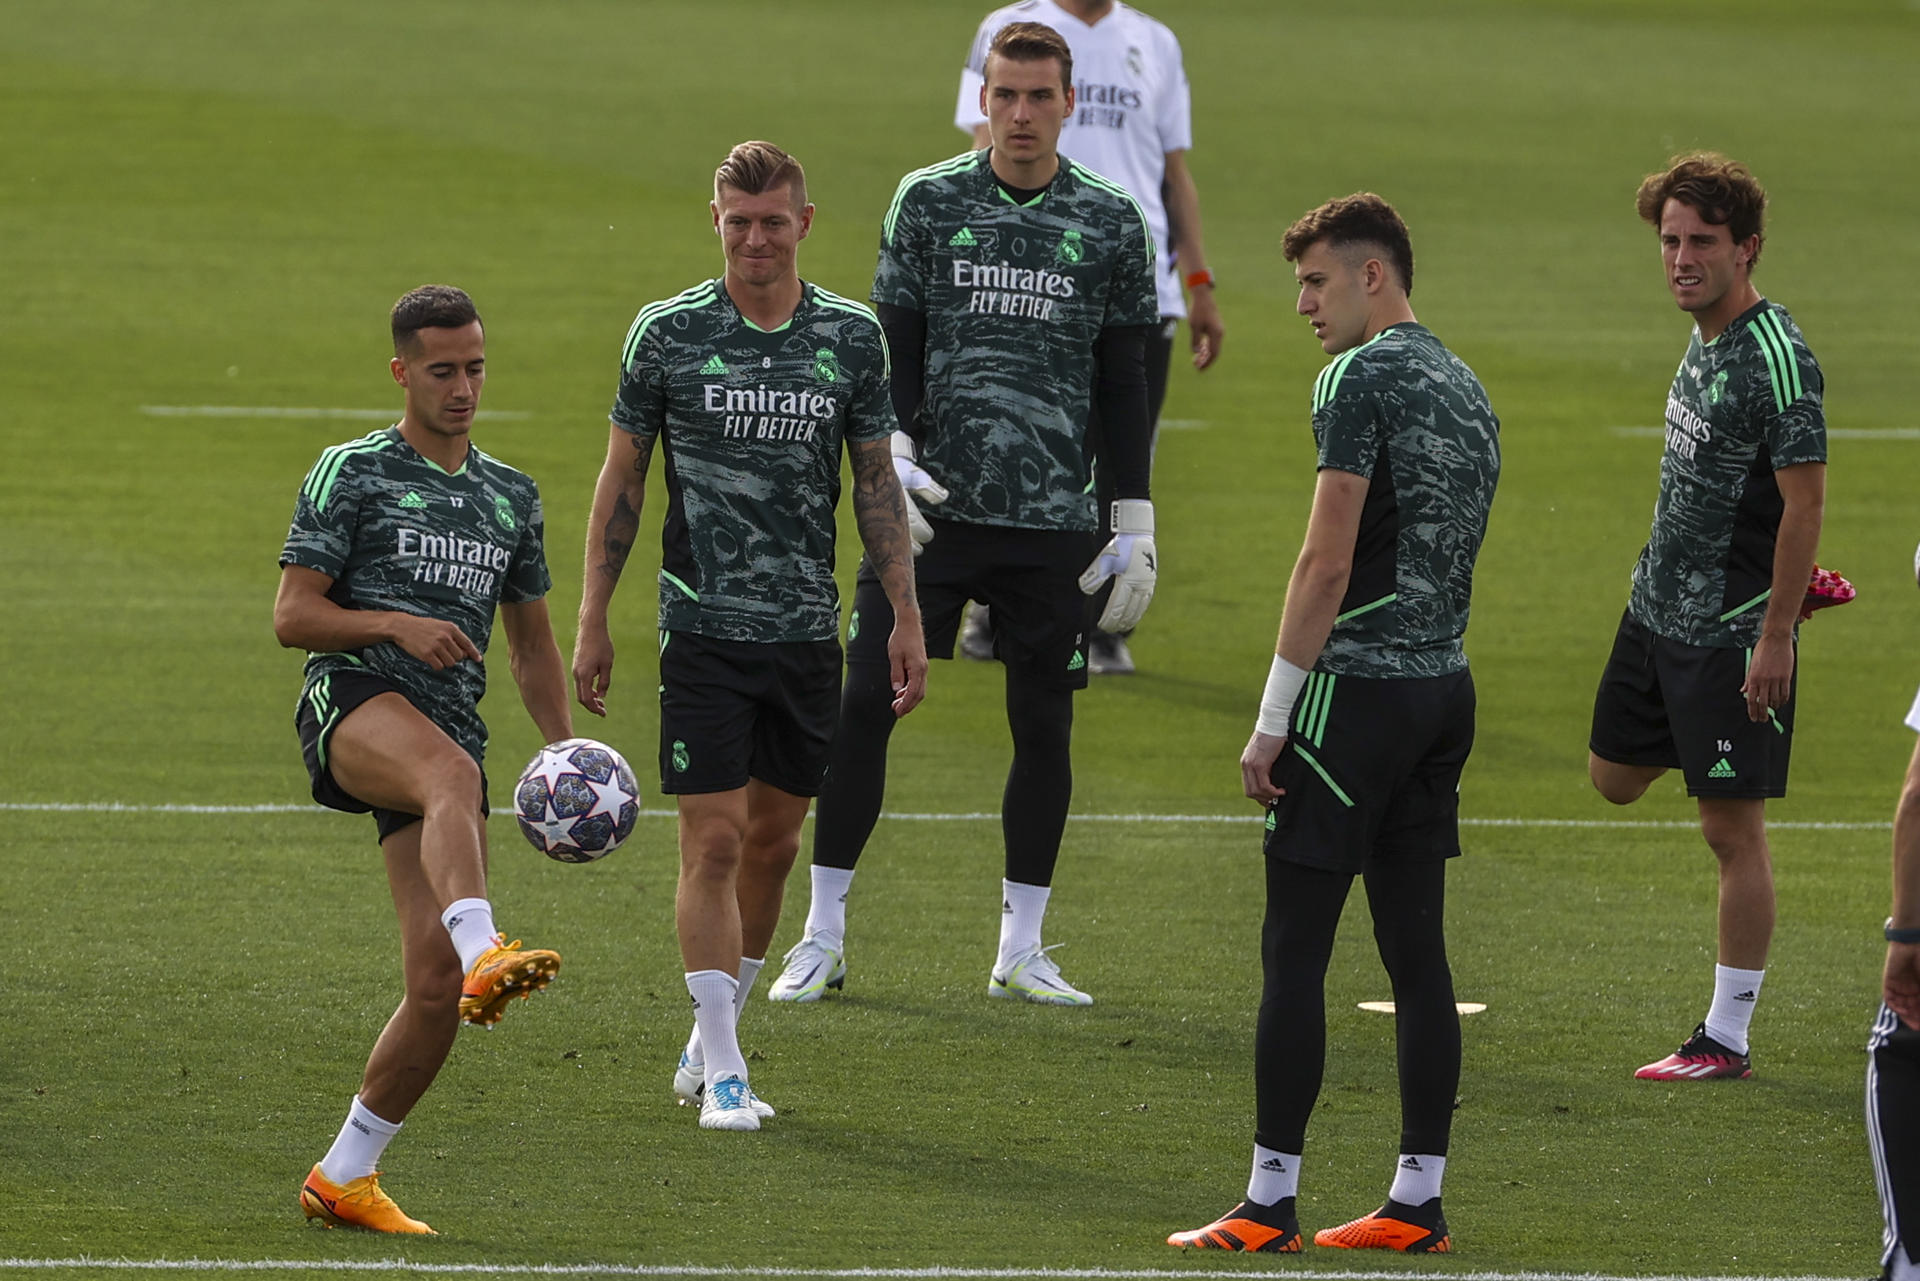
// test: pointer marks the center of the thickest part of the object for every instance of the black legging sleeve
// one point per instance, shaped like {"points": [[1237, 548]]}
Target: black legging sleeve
{"points": [[1126, 424], [906, 331]]}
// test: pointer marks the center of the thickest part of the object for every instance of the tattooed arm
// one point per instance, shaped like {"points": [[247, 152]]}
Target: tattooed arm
{"points": [[880, 513], [611, 530]]}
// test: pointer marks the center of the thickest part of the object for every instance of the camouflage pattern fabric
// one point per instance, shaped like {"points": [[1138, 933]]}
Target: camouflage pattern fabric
{"points": [[1408, 414], [1015, 297], [395, 532], [752, 423], [1741, 407]]}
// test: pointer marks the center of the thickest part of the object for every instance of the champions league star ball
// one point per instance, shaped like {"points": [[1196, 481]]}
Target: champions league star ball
{"points": [[577, 800]]}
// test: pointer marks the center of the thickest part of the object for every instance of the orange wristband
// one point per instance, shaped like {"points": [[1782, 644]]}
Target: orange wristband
{"points": [[1197, 278]]}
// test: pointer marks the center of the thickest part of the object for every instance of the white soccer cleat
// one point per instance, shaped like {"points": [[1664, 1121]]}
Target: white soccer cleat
{"points": [[1035, 977], [690, 1086], [814, 964], [728, 1106]]}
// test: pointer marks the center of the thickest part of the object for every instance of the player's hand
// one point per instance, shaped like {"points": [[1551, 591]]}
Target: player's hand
{"points": [[434, 641], [1256, 766], [1900, 989], [592, 667], [907, 660], [1131, 560], [1204, 331], [918, 486], [1769, 676]]}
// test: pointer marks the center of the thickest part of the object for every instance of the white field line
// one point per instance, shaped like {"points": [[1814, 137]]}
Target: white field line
{"points": [[978, 816], [1836, 433], [904, 1274], [283, 411]]}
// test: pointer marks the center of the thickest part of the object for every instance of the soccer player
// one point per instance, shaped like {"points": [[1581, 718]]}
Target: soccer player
{"points": [[1702, 672], [403, 543], [1366, 721], [752, 384], [1016, 288], [1893, 1051], [1133, 123]]}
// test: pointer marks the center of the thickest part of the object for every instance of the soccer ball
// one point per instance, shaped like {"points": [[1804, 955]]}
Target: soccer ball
{"points": [[577, 800]]}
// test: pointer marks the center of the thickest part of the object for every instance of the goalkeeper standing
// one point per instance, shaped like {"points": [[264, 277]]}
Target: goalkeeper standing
{"points": [[1016, 290]]}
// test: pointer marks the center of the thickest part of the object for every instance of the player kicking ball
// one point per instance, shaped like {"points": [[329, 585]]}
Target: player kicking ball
{"points": [[403, 544]]}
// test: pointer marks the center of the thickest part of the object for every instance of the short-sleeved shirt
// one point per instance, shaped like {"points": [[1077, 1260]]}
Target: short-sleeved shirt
{"points": [[1131, 107], [1407, 414], [752, 422], [1015, 298], [397, 532], [1740, 408]]}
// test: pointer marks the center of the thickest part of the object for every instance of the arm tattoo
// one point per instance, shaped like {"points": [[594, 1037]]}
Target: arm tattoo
{"points": [[880, 513], [623, 522], [623, 526]]}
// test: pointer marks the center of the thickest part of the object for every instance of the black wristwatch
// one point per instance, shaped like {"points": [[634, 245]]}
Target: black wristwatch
{"points": [[1902, 934]]}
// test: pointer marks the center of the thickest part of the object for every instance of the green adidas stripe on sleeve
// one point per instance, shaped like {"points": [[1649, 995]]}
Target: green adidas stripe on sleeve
{"points": [[956, 165], [698, 296], [318, 486], [1783, 369]]}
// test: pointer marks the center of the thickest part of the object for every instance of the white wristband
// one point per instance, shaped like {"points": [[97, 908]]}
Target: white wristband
{"points": [[1276, 703]]}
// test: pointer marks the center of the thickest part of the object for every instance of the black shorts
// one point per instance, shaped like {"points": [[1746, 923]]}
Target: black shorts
{"points": [[1663, 702], [1029, 578], [737, 710], [323, 705], [1371, 772]]}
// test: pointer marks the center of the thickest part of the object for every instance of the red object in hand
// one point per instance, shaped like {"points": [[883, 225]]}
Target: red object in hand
{"points": [[1825, 588]]}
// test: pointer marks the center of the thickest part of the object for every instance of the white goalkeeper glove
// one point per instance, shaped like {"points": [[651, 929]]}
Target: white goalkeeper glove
{"points": [[915, 483], [1130, 559]]}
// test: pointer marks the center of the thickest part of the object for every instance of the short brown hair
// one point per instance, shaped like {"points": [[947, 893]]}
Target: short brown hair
{"points": [[1723, 192], [1033, 42], [1360, 220], [430, 307], [754, 168]]}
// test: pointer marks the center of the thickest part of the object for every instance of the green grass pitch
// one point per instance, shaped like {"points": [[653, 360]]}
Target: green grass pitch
{"points": [[206, 204]]}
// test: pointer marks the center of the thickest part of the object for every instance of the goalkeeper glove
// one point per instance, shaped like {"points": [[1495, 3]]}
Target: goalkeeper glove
{"points": [[1130, 559], [914, 482]]}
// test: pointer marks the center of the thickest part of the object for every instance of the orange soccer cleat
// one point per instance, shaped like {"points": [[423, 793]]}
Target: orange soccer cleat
{"points": [[1250, 1226], [359, 1204], [501, 973], [1408, 1229]]}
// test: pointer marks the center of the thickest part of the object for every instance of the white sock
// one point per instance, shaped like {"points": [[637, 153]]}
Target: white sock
{"points": [[749, 971], [827, 914], [1903, 1268], [1416, 1181], [469, 923], [1276, 1176], [1734, 995], [356, 1151], [713, 993], [1022, 909]]}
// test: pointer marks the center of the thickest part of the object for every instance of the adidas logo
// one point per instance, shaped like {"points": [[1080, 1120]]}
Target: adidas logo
{"points": [[1273, 820], [413, 502], [1722, 769], [714, 365], [964, 236], [1077, 662], [1005, 906], [1275, 1164], [1411, 1163], [1748, 997]]}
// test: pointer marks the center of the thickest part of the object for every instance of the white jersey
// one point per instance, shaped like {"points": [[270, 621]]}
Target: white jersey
{"points": [[1131, 108]]}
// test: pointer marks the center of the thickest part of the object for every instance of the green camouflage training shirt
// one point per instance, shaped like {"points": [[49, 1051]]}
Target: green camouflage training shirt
{"points": [[1015, 297], [1403, 411], [752, 423], [395, 532], [1740, 408]]}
